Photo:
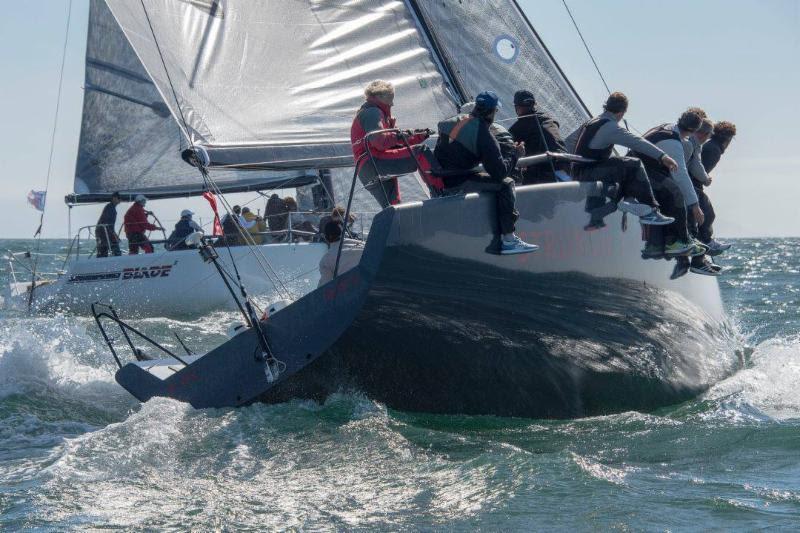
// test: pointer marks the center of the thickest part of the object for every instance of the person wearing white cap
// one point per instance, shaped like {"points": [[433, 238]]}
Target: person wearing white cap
{"points": [[183, 228], [136, 224]]}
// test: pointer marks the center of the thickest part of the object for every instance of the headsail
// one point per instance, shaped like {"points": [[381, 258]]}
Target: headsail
{"points": [[275, 84], [490, 44], [129, 140]]}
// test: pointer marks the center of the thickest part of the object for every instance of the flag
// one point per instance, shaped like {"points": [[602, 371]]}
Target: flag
{"points": [[212, 201], [37, 199]]}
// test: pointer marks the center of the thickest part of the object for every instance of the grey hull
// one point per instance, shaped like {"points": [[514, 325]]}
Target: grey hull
{"points": [[432, 320], [582, 327]]}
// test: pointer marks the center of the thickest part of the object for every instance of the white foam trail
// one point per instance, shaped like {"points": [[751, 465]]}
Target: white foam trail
{"points": [[768, 384], [54, 355]]}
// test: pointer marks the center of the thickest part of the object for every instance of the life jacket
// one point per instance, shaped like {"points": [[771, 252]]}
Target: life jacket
{"points": [[588, 132], [655, 136], [462, 129], [358, 132]]}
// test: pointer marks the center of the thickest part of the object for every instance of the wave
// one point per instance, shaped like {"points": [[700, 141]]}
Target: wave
{"points": [[766, 388]]}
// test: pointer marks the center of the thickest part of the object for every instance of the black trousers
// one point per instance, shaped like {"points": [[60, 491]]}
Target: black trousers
{"points": [[106, 240], [628, 172], [670, 198], [507, 213], [705, 232]]}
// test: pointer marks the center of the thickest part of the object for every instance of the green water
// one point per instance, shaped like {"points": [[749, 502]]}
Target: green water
{"points": [[77, 452]]}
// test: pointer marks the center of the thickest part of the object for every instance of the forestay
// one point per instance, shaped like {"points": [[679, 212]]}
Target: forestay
{"points": [[275, 84]]}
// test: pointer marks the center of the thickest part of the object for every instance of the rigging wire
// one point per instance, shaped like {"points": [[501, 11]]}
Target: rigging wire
{"points": [[38, 234], [591, 56], [586, 45], [206, 177]]}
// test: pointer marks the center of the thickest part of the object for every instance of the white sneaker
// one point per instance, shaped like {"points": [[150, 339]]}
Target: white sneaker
{"points": [[715, 247], [516, 246], [634, 208]]}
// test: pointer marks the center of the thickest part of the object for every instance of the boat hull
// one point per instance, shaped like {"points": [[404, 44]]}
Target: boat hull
{"points": [[582, 327], [176, 283]]}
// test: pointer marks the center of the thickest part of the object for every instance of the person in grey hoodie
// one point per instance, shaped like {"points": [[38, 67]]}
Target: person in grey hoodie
{"points": [[596, 139], [674, 188]]}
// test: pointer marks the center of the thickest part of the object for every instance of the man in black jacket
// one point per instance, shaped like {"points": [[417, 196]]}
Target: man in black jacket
{"points": [[105, 234], [724, 133], [540, 133], [466, 141]]}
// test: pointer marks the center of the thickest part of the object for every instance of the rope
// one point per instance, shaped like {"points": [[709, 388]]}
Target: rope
{"points": [[206, 178], [38, 234], [585, 45], [594, 62]]}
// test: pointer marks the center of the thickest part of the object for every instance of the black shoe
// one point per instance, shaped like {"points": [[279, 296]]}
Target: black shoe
{"points": [[681, 268], [594, 225], [706, 268]]}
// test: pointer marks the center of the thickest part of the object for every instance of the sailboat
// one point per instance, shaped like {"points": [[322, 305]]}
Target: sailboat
{"points": [[131, 143], [429, 320]]}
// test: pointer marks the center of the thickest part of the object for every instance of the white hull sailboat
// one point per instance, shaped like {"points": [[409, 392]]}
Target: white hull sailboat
{"points": [[170, 283], [131, 143]]}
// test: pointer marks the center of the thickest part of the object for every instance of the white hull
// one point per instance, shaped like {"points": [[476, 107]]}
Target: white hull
{"points": [[175, 283]]}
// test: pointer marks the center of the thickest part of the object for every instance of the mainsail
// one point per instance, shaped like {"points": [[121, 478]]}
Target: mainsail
{"points": [[129, 141], [272, 86]]}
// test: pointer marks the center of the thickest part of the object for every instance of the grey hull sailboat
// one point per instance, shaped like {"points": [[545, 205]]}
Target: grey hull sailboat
{"points": [[429, 320]]}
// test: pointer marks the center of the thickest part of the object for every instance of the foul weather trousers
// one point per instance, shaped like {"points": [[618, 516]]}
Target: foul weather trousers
{"points": [[507, 213], [139, 240], [394, 162]]}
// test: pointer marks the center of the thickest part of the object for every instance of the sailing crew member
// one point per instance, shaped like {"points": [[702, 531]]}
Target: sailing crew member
{"points": [[183, 228], [464, 142], [350, 256], [675, 192], [254, 225], [388, 151], [540, 133], [230, 226], [136, 224], [724, 132], [105, 232], [337, 215], [595, 140]]}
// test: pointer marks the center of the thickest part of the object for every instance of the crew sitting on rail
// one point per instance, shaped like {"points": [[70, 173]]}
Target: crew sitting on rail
{"points": [[464, 142], [595, 139], [724, 132], [350, 256], [541, 133], [136, 224], [105, 233], [230, 227], [253, 225], [183, 228], [673, 188], [388, 150]]}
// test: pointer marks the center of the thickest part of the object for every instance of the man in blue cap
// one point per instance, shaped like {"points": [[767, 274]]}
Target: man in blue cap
{"points": [[466, 141]]}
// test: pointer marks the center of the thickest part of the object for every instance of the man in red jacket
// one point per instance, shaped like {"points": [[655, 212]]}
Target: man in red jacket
{"points": [[136, 224], [389, 152]]}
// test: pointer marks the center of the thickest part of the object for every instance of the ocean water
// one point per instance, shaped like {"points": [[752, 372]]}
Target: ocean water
{"points": [[77, 452]]}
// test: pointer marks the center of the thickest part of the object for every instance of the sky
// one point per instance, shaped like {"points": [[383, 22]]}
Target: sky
{"points": [[738, 59]]}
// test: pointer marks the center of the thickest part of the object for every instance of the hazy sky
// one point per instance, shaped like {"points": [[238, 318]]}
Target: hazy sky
{"points": [[739, 59]]}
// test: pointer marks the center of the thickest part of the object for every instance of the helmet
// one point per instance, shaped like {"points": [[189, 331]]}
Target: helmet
{"points": [[186, 213], [140, 199]]}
